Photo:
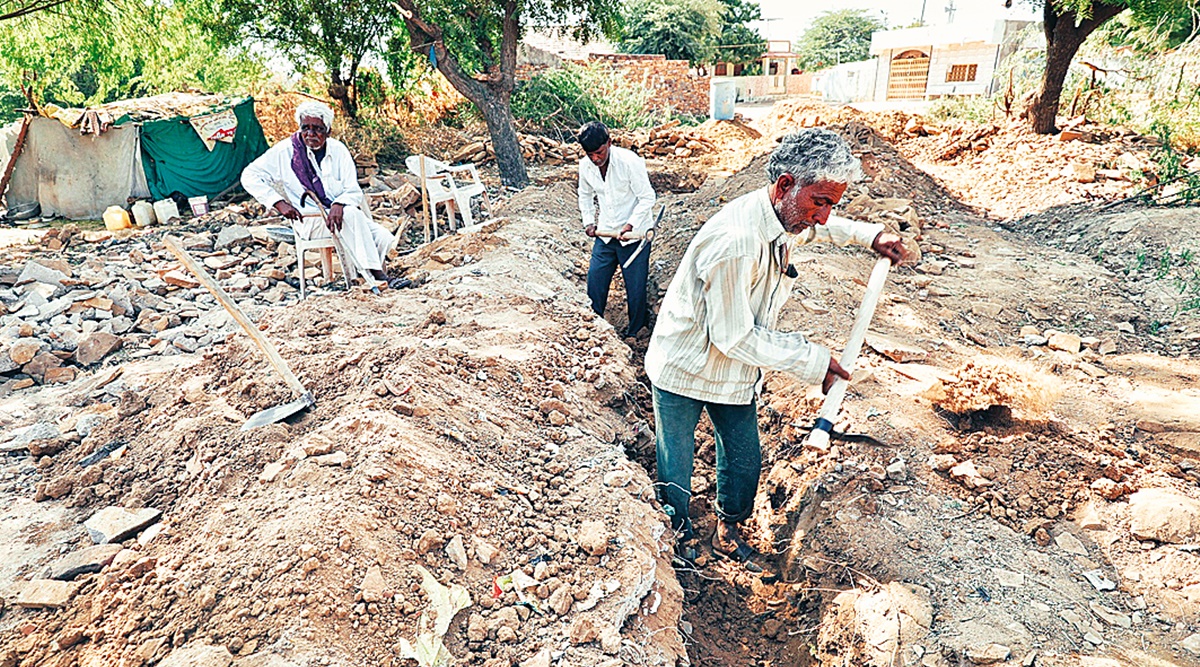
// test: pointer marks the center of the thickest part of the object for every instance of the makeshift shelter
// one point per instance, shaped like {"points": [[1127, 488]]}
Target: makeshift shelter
{"points": [[155, 147]]}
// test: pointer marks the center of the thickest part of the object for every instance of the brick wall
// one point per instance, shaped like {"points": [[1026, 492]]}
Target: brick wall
{"points": [[672, 83]]}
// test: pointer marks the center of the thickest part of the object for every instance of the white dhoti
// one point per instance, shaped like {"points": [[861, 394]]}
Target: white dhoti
{"points": [[367, 242]]}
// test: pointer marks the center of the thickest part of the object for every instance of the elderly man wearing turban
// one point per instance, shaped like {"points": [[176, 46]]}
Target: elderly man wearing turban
{"points": [[310, 160]]}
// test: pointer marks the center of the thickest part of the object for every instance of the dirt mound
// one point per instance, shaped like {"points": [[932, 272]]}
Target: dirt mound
{"points": [[446, 434], [1010, 171], [986, 384]]}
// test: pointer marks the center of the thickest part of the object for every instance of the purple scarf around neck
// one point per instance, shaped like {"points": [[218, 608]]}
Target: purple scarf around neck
{"points": [[305, 172]]}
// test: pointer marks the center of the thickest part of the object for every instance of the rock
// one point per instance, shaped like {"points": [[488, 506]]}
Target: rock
{"points": [[1111, 616], [541, 659], [117, 524], [1009, 579], [486, 552], [83, 561], [40, 364], [894, 349], [95, 347], [429, 541], [1082, 172], [373, 585], [476, 628], [198, 655], [53, 489], [180, 278], [45, 593], [582, 631], [1108, 489], [35, 272], [617, 478], [610, 640], [232, 235], [942, 462], [271, 471], [988, 654], [23, 351], [592, 537], [1067, 342], [561, 600], [334, 459], [897, 471], [1070, 544], [1165, 516], [1089, 519], [967, 474], [1191, 644], [59, 375], [456, 552]]}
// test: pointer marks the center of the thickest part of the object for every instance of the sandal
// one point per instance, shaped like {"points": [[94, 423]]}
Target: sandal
{"points": [[743, 553], [398, 283]]}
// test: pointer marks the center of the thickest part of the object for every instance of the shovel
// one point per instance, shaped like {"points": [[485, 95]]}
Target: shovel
{"points": [[819, 437], [271, 415]]}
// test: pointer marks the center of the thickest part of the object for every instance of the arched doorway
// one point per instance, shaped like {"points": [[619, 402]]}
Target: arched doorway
{"points": [[908, 75]]}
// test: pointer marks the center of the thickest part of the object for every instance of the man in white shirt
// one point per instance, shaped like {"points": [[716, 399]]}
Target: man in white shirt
{"points": [[310, 160], [617, 178], [715, 331]]}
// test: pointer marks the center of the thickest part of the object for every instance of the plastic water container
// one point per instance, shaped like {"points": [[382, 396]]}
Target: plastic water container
{"points": [[722, 98], [116, 218], [143, 214], [164, 210], [199, 204]]}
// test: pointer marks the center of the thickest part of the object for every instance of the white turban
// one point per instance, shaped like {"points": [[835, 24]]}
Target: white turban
{"points": [[315, 110]]}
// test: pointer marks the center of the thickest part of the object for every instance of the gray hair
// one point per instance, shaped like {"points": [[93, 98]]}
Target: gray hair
{"points": [[814, 155], [315, 110]]}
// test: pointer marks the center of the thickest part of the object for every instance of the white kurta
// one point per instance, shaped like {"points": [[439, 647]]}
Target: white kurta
{"points": [[367, 242]]}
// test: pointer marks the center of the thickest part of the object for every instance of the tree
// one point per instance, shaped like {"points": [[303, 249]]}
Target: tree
{"points": [[678, 29], [836, 37], [106, 54], [1067, 23], [474, 45], [738, 43], [338, 35]]}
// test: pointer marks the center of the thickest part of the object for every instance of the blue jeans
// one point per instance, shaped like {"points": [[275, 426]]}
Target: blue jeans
{"points": [[739, 457], [605, 259]]}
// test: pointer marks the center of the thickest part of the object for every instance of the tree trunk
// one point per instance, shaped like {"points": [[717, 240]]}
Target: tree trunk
{"points": [[1064, 35], [509, 160], [340, 91]]}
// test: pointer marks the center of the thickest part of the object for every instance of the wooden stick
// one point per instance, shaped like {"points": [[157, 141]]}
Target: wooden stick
{"points": [[424, 200], [819, 437], [17, 148], [238, 316]]}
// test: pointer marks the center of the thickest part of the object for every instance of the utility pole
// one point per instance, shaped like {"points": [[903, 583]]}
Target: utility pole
{"points": [[922, 19], [950, 9]]}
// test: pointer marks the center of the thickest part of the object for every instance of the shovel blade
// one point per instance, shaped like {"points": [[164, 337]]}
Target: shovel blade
{"points": [[279, 412]]}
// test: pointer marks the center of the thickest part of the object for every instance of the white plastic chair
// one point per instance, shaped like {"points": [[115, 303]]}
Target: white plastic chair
{"points": [[440, 187], [323, 243]]}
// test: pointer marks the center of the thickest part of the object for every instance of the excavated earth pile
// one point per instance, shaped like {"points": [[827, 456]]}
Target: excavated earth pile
{"points": [[464, 428]]}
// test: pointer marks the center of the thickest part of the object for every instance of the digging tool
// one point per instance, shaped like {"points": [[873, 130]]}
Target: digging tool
{"points": [[304, 398], [645, 238], [819, 437]]}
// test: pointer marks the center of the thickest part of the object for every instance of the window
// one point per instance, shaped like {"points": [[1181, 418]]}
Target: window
{"points": [[719, 69], [961, 73]]}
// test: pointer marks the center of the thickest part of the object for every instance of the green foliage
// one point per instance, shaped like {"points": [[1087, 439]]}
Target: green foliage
{"points": [[836, 37], [738, 43], [974, 109], [678, 29], [561, 100], [115, 53], [336, 35]]}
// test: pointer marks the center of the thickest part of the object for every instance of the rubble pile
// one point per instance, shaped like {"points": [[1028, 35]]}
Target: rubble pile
{"points": [[534, 148], [80, 297], [669, 140]]}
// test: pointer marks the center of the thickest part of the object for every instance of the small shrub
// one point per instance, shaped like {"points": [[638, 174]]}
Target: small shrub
{"points": [[560, 100]]}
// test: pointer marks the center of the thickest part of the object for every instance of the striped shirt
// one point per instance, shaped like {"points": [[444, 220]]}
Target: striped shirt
{"points": [[714, 333]]}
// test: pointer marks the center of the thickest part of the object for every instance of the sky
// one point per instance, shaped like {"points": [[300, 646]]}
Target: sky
{"points": [[787, 19]]}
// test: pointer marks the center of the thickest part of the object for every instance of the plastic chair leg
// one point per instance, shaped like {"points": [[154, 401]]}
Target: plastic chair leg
{"points": [[300, 270]]}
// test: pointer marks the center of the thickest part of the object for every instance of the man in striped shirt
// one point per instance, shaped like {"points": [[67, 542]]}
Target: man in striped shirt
{"points": [[715, 331]]}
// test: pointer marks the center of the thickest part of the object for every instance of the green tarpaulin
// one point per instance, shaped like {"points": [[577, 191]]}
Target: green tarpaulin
{"points": [[176, 159]]}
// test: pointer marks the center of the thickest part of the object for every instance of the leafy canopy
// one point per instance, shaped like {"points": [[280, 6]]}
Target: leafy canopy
{"points": [[115, 53], [738, 42], [835, 37], [678, 29]]}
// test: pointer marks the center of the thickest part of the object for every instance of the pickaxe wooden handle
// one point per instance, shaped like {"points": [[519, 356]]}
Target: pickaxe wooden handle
{"points": [[819, 437]]}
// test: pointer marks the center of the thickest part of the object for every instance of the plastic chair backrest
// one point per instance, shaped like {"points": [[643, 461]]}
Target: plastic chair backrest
{"points": [[432, 167]]}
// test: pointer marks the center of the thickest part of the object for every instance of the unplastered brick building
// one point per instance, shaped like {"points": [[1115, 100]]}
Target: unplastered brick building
{"points": [[673, 84]]}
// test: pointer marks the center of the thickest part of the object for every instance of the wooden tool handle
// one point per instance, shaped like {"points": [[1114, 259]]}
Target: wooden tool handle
{"points": [[833, 400], [236, 313]]}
